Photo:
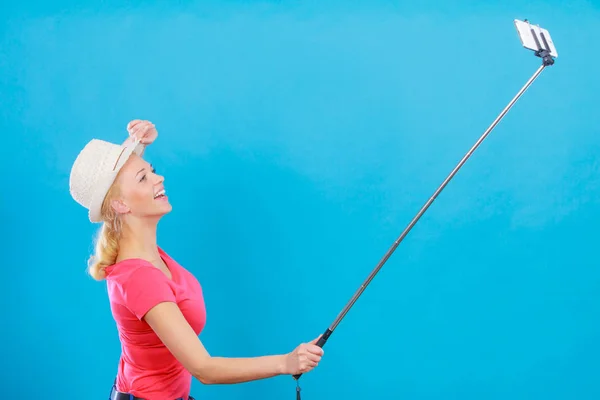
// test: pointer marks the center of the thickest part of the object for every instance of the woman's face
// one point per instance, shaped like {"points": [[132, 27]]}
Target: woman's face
{"points": [[142, 191]]}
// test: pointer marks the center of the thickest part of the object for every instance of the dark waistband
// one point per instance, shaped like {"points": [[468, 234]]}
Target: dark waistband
{"points": [[116, 395]]}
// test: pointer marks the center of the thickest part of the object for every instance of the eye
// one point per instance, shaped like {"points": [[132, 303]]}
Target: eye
{"points": [[143, 178]]}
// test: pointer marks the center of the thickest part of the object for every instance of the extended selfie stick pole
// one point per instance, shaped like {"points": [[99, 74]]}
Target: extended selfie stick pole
{"points": [[532, 38]]}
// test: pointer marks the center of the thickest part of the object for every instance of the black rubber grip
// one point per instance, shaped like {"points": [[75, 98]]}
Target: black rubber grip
{"points": [[321, 342]]}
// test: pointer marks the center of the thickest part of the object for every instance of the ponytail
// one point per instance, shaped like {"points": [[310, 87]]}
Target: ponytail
{"points": [[107, 240]]}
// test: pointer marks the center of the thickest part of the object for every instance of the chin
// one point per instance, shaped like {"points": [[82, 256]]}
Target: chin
{"points": [[160, 212], [160, 208], [166, 209]]}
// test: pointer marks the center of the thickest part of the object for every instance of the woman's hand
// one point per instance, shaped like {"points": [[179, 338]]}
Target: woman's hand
{"points": [[143, 130], [303, 359]]}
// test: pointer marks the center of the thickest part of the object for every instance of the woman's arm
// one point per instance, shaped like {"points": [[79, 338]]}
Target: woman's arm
{"points": [[178, 336]]}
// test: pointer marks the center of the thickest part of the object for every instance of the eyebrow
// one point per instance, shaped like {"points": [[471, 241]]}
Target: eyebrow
{"points": [[151, 166]]}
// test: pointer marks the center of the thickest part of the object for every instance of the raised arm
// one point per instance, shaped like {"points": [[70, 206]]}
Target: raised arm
{"points": [[172, 328]]}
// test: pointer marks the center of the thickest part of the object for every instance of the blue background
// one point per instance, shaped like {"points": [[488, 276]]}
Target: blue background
{"points": [[298, 139]]}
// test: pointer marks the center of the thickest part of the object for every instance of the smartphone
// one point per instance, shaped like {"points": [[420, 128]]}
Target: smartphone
{"points": [[535, 38]]}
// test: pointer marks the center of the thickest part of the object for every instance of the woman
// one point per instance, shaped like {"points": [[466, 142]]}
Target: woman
{"points": [[157, 304]]}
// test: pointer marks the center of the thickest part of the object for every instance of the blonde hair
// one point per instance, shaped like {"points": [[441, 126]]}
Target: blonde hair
{"points": [[107, 239]]}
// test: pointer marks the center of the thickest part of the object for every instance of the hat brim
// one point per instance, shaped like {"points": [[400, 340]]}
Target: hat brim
{"points": [[104, 184]]}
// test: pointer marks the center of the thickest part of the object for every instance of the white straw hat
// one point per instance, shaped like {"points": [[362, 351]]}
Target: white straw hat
{"points": [[95, 170]]}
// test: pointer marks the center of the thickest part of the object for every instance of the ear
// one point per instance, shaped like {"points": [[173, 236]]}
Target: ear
{"points": [[119, 206]]}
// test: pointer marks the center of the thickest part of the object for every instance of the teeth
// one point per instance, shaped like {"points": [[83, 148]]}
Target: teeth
{"points": [[159, 193]]}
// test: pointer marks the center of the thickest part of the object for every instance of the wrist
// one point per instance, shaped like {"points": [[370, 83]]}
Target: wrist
{"points": [[281, 364]]}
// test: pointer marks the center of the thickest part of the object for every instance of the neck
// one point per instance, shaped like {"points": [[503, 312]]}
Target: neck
{"points": [[138, 240]]}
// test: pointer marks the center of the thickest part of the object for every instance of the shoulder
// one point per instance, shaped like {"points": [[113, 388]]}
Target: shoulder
{"points": [[138, 285], [124, 269], [121, 271], [134, 275]]}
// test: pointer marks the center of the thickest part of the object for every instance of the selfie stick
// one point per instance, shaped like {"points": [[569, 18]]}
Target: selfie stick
{"points": [[533, 38]]}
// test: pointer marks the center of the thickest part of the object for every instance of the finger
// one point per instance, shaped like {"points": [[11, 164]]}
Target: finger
{"points": [[309, 365], [143, 130], [140, 130], [147, 132], [138, 126], [314, 349], [135, 133], [133, 123], [313, 358], [315, 340]]}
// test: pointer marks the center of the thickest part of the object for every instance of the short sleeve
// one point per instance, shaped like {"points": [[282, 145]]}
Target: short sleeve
{"points": [[145, 288]]}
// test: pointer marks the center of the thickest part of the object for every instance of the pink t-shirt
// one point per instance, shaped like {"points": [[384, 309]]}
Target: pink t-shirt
{"points": [[147, 369]]}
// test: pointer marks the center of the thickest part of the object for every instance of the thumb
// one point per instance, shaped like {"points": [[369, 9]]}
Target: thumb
{"points": [[314, 341]]}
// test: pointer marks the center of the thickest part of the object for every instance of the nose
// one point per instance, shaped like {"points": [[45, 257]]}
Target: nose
{"points": [[159, 178]]}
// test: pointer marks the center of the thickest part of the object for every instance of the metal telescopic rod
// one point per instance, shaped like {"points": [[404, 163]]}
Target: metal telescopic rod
{"points": [[323, 339]]}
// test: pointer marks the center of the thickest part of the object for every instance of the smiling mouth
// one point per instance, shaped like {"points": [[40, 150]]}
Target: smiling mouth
{"points": [[160, 195]]}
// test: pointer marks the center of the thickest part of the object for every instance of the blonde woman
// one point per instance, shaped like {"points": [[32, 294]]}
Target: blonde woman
{"points": [[157, 304]]}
